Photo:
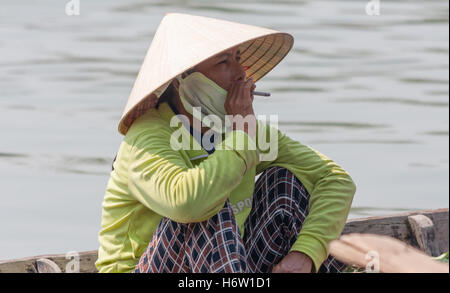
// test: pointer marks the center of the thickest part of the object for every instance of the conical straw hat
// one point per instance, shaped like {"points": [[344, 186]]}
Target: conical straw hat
{"points": [[183, 41]]}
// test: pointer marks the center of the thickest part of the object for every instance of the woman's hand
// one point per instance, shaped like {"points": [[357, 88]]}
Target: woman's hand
{"points": [[240, 102], [294, 262]]}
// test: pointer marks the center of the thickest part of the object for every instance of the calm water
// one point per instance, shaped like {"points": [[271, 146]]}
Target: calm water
{"points": [[372, 93]]}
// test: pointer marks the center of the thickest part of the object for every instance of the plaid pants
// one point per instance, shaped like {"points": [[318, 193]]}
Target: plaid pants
{"points": [[279, 208]]}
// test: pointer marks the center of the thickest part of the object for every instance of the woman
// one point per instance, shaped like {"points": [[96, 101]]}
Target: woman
{"points": [[199, 209]]}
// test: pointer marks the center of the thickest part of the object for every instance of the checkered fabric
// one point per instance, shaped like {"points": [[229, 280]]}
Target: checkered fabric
{"points": [[279, 208]]}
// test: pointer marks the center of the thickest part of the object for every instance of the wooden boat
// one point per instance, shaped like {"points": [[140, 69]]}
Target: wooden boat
{"points": [[427, 230]]}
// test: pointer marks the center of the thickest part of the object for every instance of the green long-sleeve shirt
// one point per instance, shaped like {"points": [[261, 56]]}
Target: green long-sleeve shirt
{"points": [[152, 180]]}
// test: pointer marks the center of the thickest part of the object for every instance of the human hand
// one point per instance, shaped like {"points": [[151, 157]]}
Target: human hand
{"points": [[240, 102], [239, 99], [294, 262]]}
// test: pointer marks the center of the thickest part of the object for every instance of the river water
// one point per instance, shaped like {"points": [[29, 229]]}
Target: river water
{"points": [[370, 92]]}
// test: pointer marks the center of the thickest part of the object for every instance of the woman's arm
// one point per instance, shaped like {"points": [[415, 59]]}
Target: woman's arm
{"points": [[161, 180], [330, 187]]}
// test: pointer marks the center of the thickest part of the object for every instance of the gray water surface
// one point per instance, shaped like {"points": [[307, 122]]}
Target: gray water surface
{"points": [[370, 92]]}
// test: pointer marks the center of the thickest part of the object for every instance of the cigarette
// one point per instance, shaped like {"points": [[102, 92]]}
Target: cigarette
{"points": [[261, 94]]}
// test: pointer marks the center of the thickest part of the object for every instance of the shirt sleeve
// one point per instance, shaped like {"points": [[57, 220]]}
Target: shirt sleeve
{"points": [[330, 187], [161, 180]]}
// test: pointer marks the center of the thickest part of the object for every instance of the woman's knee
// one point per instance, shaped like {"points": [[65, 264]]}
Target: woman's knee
{"points": [[281, 183]]}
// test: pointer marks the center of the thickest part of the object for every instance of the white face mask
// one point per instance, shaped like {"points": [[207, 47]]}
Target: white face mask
{"points": [[197, 90]]}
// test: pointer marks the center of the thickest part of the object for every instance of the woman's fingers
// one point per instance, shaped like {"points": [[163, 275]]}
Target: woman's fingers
{"points": [[240, 98], [230, 97], [247, 92], [251, 91], [244, 93], [235, 97]]}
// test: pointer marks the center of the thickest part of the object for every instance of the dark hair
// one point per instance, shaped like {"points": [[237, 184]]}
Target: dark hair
{"points": [[170, 91], [167, 95]]}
